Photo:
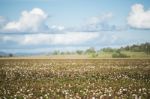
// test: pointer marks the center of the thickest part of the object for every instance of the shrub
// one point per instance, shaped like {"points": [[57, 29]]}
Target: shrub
{"points": [[119, 55], [94, 55]]}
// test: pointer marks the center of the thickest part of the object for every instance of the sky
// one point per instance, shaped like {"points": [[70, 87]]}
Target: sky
{"points": [[46, 25]]}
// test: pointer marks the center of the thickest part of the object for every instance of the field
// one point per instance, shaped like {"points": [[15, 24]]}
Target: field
{"points": [[74, 78]]}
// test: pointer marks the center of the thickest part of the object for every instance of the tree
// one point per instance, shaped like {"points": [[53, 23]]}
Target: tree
{"points": [[79, 52], [94, 55], [10, 55], [56, 52], [108, 49], [90, 50]]}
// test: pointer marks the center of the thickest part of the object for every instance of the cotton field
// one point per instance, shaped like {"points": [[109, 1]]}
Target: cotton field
{"points": [[74, 79]]}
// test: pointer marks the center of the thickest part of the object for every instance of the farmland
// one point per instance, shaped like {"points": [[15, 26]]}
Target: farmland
{"points": [[75, 78]]}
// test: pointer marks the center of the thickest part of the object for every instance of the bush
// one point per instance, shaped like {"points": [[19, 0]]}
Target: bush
{"points": [[79, 52], [93, 55], [119, 55]]}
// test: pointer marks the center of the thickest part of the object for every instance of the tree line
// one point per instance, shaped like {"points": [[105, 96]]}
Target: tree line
{"points": [[116, 52]]}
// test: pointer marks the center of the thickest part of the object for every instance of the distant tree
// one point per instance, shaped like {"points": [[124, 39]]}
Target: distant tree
{"points": [[10, 55], [62, 53], [108, 49], [145, 47], [118, 51], [68, 53], [90, 50], [79, 52], [56, 52], [127, 48]]}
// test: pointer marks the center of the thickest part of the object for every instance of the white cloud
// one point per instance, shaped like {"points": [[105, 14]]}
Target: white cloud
{"points": [[100, 19], [138, 17], [73, 38], [52, 39], [56, 27], [99, 23], [30, 21]]}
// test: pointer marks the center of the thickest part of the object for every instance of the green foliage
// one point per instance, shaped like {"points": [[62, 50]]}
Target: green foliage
{"points": [[79, 52], [94, 55], [118, 54], [62, 53], [135, 51], [145, 47], [56, 52], [90, 50], [108, 49]]}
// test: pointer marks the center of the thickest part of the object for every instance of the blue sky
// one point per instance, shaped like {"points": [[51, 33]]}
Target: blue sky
{"points": [[47, 25]]}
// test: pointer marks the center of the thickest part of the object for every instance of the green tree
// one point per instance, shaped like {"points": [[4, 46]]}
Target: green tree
{"points": [[56, 52], [90, 50], [79, 52]]}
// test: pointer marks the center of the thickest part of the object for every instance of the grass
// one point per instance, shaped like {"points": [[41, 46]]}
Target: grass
{"points": [[136, 54], [105, 54]]}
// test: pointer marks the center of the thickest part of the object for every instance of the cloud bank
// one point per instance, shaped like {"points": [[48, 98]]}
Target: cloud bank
{"points": [[51, 39]]}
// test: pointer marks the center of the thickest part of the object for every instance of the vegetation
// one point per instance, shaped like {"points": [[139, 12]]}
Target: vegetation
{"points": [[75, 79], [118, 54], [145, 47], [133, 51], [2, 54], [80, 52]]}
